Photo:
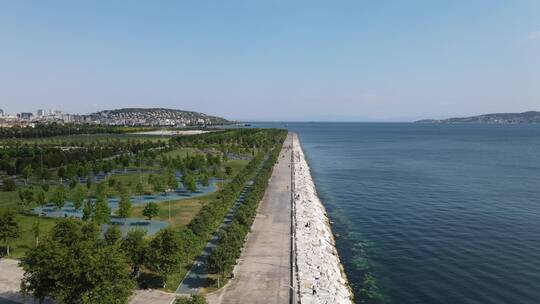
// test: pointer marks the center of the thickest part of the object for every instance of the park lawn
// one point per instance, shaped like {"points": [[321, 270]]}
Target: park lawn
{"points": [[26, 239], [182, 152], [91, 138], [236, 165], [9, 200], [182, 211]]}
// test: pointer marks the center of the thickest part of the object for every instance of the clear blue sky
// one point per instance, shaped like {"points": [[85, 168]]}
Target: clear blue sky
{"points": [[274, 60]]}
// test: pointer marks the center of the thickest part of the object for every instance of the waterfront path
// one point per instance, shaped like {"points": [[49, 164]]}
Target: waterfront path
{"points": [[263, 271]]}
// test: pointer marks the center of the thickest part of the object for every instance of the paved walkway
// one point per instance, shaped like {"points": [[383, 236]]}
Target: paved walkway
{"points": [[197, 275], [263, 272], [10, 283]]}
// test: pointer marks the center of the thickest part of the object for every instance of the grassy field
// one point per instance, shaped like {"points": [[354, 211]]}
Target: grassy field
{"points": [[182, 211], [26, 240], [182, 152], [9, 200], [91, 138]]}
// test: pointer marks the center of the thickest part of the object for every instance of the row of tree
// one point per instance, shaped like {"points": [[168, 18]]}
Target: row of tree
{"points": [[231, 240], [73, 264], [41, 130]]}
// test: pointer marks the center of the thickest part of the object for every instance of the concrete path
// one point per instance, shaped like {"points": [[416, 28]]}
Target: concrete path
{"points": [[263, 272], [152, 296], [10, 283]]}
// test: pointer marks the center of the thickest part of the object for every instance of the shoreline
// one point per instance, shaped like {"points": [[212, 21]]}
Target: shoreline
{"points": [[319, 274]]}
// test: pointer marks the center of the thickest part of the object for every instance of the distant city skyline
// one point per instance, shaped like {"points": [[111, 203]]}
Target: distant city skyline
{"points": [[272, 60]]}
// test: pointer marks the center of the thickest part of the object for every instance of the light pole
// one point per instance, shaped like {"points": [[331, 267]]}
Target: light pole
{"points": [[42, 173]]}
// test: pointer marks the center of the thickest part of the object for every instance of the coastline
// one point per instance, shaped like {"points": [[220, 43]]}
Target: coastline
{"points": [[318, 274]]}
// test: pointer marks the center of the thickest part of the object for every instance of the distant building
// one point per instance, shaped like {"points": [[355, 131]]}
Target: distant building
{"points": [[25, 115], [1, 113], [40, 113]]}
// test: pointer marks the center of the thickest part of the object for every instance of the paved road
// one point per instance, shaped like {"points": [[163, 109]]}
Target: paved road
{"points": [[263, 272]]}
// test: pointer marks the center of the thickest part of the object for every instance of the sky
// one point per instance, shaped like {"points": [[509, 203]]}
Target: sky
{"points": [[273, 60]]}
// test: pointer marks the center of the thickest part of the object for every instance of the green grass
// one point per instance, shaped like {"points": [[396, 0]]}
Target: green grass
{"points": [[9, 200], [182, 152], [236, 165], [91, 138], [27, 240], [182, 211]]}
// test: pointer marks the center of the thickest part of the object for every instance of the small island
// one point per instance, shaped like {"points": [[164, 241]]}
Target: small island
{"points": [[530, 117]]}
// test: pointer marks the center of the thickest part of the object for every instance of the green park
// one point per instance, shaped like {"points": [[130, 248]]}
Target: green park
{"points": [[93, 215]]}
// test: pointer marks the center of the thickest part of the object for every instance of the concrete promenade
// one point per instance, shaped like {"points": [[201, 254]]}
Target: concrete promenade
{"points": [[263, 271]]}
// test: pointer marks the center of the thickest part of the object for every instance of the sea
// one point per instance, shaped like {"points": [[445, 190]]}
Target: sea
{"points": [[427, 213]]}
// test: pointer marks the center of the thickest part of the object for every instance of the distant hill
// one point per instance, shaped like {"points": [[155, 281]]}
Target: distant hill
{"points": [[530, 117], [155, 117]]}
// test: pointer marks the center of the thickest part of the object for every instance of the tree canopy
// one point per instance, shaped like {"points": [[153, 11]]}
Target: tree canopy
{"points": [[74, 266]]}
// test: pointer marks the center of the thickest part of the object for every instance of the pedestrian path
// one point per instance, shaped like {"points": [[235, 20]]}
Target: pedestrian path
{"points": [[263, 272], [198, 275]]}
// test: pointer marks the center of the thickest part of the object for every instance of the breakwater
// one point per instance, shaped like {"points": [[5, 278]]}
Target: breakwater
{"points": [[318, 274]]}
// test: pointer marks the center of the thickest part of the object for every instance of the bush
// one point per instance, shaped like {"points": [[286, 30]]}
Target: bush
{"points": [[194, 299], [8, 184]]}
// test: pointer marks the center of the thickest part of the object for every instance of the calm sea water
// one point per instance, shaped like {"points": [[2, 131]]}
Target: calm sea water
{"points": [[431, 213]]}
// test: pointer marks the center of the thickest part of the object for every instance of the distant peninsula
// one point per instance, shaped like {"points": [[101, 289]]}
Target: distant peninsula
{"points": [[155, 116], [530, 117]]}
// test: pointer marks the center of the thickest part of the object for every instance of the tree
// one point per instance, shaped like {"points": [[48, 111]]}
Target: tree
{"points": [[75, 266], [9, 184], [89, 183], [36, 231], [102, 212], [112, 235], [59, 196], [135, 246], [205, 180], [189, 182], [44, 174], [73, 183], [228, 170], [26, 173], [171, 179], [40, 198], [9, 228], [164, 252], [78, 196], [150, 210], [157, 182], [62, 173], [88, 211], [26, 196], [110, 280], [124, 207], [139, 188], [101, 189]]}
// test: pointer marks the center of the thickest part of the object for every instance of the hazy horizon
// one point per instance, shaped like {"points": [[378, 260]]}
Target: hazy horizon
{"points": [[272, 60]]}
